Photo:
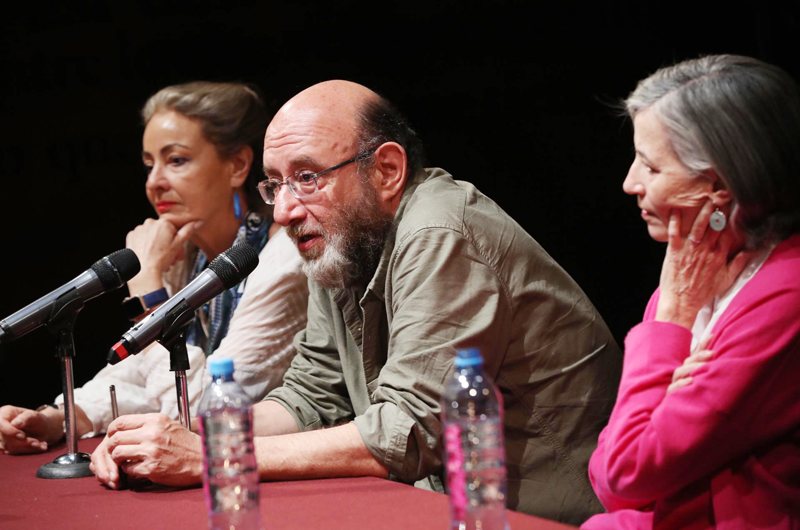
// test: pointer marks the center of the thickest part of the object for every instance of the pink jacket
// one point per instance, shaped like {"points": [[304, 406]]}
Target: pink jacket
{"points": [[723, 451]]}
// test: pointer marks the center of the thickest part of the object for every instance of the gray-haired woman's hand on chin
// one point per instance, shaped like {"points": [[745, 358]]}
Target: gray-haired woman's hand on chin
{"points": [[696, 267]]}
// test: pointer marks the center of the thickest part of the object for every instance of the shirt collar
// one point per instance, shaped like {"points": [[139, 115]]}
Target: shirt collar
{"points": [[378, 283]]}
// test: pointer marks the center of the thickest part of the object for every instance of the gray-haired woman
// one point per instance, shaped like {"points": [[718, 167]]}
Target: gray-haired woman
{"points": [[706, 429], [202, 149]]}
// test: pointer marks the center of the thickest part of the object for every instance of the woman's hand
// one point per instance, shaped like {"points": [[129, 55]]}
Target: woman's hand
{"points": [[158, 245], [683, 374], [696, 268], [28, 431]]}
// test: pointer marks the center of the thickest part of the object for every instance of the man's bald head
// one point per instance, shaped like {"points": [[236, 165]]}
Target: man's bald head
{"points": [[341, 221], [330, 107], [333, 95], [348, 118]]}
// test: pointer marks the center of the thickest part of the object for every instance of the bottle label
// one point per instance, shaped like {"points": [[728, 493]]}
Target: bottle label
{"points": [[456, 476]]}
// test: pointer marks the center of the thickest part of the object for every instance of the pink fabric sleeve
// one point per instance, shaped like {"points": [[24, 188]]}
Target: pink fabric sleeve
{"points": [[597, 472], [654, 444]]}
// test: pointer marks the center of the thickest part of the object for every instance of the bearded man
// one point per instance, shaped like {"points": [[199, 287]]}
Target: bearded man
{"points": [[405, 266]]}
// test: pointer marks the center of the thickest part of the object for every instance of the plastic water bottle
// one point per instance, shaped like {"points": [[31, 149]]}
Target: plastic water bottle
{"points": [[230, 472], [472, 413]]}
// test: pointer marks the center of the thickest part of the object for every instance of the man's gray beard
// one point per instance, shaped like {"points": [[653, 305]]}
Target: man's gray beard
{"points": [[354, 244]]}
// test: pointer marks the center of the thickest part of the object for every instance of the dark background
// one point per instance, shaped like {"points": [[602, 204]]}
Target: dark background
{"points": [[516, 97]]}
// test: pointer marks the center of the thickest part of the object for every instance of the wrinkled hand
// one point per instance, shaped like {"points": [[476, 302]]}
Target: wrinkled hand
{"points": [[683, 374], [696, 267], [103, 466], [150, 446], [26, 431], [158, 245]]}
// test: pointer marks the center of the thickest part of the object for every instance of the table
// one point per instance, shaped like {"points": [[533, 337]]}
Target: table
{"points": [[30, 503]]}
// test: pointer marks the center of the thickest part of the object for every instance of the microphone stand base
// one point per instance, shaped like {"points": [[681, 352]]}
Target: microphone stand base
{"points": [[70, 465]]}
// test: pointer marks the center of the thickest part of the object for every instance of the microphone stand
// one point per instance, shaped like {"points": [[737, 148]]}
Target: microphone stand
{"points": [[173, 337], [61, 324], [179, 363]]}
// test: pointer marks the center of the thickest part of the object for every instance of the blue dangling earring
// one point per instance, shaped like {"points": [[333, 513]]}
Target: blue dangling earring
{"points": [[237, 207]]}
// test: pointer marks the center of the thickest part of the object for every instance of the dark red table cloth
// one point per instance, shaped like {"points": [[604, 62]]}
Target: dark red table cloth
{"points": [[353, 503]]}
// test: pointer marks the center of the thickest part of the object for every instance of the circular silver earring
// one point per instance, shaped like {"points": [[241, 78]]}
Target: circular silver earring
{"points": [[717, 221]]}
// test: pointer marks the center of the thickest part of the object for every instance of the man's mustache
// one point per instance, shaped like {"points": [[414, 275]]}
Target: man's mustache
{"points": [[306, 228]]}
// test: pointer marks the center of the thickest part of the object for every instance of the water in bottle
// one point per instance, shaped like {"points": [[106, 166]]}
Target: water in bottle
{"points": [[230, 472], [472, 414]]}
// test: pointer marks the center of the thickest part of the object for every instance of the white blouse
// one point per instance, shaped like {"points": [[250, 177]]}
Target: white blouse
{"points": [[259, 340], [707, 316]]}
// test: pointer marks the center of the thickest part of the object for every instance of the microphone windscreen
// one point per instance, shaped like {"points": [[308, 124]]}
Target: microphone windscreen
{"points": [[117, 268], [233, 265]]}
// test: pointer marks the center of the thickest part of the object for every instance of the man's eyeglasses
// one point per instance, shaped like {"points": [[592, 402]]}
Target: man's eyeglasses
{"points": [[303, 183]]}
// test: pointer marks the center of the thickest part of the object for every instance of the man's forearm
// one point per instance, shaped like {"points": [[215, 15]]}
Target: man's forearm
{"points": [[270, 418], [335, 452]]}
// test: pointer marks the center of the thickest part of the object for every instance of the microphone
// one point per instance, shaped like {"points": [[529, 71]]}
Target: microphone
{"points": [[225, 271], [105, 275]]}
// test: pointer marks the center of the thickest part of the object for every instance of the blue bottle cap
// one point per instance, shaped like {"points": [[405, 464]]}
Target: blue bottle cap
{"points": [[219, 366], [468, 357]]}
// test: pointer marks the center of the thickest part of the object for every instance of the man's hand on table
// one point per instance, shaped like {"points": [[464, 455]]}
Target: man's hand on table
{"points": [[150, 446], [28, 431]]}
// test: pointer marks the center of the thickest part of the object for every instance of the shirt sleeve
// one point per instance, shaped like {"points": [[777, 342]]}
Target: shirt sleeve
{"points": [[443, 296], [746, 395], [259, 340], [314, 389]]}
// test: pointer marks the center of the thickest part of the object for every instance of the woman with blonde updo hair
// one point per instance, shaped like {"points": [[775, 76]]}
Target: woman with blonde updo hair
{"points": [[201, 148]]}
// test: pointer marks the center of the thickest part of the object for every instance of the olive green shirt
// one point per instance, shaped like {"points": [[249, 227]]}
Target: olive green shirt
{"points": [[459, 272]]}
